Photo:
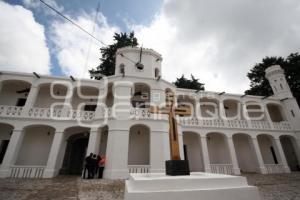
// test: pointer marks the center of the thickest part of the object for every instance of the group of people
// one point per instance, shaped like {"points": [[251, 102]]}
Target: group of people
{"points": [[94, 166]]}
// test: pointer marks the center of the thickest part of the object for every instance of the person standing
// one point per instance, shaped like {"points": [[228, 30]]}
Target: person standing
{"points": [[87, 167]]}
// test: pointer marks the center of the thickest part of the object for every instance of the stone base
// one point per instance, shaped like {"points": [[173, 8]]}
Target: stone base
{"points": [[197, 186], [177, 167]]}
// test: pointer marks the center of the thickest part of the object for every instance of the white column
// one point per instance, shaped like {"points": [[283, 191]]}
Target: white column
{"points": [[52, 168], [282, 156], [236, 168], [67, 106], [122, 98], [94, 141], [117, 155], [268, 116], [157, 156], [206, 160], [11, 152], [246, 114], [30, 100], [100, 104], [260, 160]]}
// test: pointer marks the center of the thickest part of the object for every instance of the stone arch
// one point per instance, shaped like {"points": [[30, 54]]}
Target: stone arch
{"points": [[232, 108], [141, 95], [209, 108], [14, 92], [193, 150], [46, 97], [139, 145], [36, 145], [5, 134], [276, 112], [74, 150], [268, 149], [291, 151], [218, 148], [245, 151]]}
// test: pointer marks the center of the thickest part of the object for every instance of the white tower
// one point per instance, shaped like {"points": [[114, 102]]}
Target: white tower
{"points": [[138, 62], [276, 78], [282, 91]]}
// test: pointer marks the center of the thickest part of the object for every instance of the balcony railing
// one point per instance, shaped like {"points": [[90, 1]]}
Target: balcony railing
{"points": [[27, 171], [139, 114], [239, 124], [139, 168], [10, 111], [274, 168], [221, 168]]}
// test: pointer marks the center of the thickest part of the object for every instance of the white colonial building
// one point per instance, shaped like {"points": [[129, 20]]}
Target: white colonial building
{"points": [[48, 124]]}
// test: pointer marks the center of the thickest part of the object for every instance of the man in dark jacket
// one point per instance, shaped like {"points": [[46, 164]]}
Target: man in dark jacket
{"points": [[88, 166]]}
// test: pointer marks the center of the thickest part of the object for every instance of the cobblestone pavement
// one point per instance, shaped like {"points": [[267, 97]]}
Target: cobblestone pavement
{"points": [[271, 187]]}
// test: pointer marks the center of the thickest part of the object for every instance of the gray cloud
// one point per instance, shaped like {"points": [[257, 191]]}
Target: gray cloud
{"points": [[230, 37]]}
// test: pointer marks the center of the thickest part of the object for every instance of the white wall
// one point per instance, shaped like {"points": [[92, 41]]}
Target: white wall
{"points": [[245, 153], [218, 149], [139, 146], [44, 98], [192, 142], [36, 146]]}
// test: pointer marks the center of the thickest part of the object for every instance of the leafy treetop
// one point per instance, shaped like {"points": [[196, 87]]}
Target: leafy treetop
{"points": [[108, 59], [192, 83], [259, 85]]}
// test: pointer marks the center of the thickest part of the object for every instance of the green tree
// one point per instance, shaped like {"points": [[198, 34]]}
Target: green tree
{"points": [[108, 58], [192, 83], [259, 85]]}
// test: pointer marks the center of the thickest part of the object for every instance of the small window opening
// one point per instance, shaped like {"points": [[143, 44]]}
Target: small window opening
{"points": [[122, 69], [293, 114], [156, 72], [281, 86]]}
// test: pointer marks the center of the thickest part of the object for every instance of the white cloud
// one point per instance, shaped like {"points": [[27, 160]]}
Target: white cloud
{"points": [[72, 45], [39, 6], [219, 41], [22, 43]]}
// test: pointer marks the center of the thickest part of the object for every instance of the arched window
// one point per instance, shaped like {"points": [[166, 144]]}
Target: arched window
{"points": [[122, 69], [156, 72]]}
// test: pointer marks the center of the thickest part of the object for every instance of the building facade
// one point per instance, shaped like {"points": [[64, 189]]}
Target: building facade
{"points": [[49, 124]]}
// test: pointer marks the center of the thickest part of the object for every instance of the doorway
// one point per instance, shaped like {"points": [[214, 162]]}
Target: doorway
{"points": [[75, 154]]}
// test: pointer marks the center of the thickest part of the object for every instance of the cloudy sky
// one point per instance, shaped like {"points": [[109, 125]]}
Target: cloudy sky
{"points": [[217, 41]]}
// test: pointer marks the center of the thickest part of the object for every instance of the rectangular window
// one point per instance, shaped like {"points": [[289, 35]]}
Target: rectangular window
{"points": [[292, 112], [21, 102]]}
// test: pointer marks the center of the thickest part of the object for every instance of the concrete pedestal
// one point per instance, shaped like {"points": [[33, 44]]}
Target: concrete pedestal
{"points": [[197, 186]]}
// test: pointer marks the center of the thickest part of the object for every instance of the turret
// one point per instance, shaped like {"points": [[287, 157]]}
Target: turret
{"points": [[276, 78], [281, 89], [138, 62]]}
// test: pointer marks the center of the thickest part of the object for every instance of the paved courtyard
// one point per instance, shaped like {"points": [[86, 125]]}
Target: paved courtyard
{"points": [[271, 187]]}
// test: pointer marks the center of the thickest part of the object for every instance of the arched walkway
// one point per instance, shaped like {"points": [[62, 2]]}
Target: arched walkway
{"points": [[218, 149], [268, 149], [14, 92], [139, 145], [75, 150], [5, 134], [245, 153], [291, 151], [193, 152], [36, 145]]}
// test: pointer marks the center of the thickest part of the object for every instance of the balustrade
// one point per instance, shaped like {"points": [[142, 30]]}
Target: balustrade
{"points": [[27, 171], [221, 168], [139, 168]]}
